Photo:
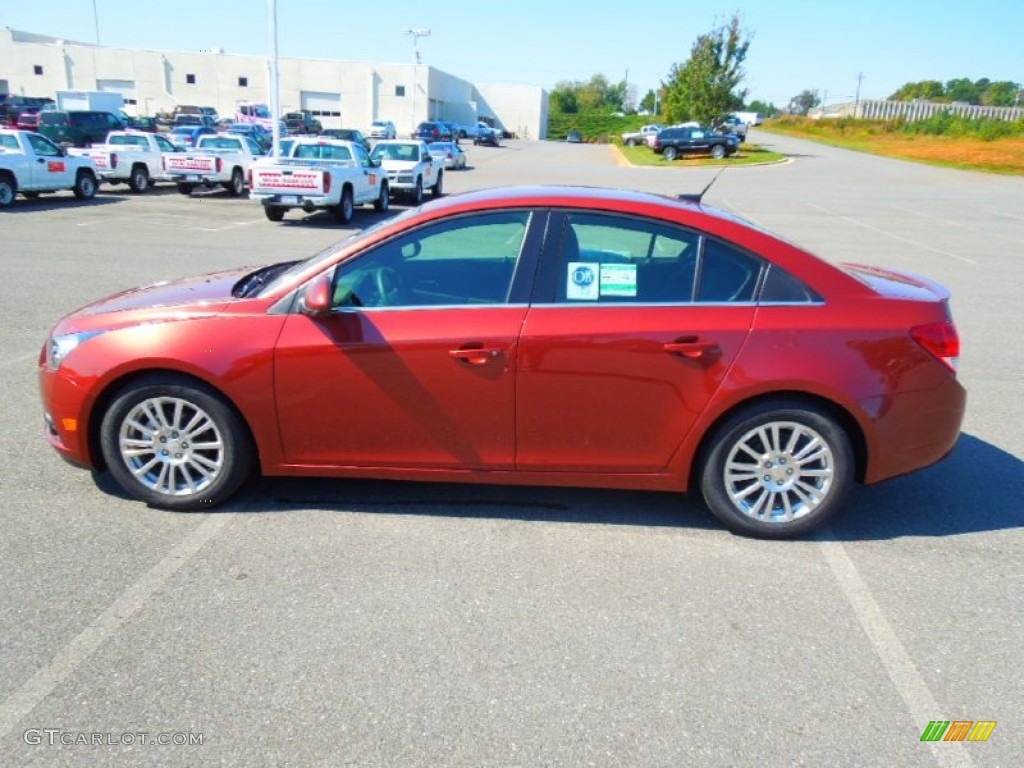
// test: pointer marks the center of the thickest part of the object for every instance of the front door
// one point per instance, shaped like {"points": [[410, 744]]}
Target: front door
{"points": [[416, 365]]}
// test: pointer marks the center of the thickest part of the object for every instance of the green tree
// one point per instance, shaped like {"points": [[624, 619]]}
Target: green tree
{"points": [[766, 108], [563, 98], [1002, 93], [804, 102], [962, 89], [648, 101], [706, 86], [925, 89]]}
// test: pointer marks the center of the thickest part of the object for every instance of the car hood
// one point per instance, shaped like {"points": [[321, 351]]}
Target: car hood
{"points": [[189, 297]]}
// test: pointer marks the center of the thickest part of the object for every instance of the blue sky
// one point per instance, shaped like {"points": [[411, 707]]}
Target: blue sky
{"points": [[795, 45]]}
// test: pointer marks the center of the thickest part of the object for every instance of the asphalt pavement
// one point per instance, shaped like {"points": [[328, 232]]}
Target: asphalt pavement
{"points": [[363, 623]]}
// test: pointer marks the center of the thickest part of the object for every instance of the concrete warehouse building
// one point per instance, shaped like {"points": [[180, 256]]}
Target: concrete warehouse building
{"points": [[349, 94]]}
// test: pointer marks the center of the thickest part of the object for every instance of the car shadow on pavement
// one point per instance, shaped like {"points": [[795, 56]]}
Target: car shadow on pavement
{"points": [[49, 203], [976, 489]]}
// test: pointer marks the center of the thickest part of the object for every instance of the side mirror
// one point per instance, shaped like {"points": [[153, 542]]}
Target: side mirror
{"points": [[316, 301]]}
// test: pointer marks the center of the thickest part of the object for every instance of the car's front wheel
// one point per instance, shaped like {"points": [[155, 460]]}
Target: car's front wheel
{"points": [[175, 444], [777, 470], [438, 189], [417, 193], [273, 212], [718, 151], [85, 186], [185, 188], [383, 201]]}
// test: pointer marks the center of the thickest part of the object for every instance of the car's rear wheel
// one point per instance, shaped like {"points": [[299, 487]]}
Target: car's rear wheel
{"points": [[236, 186], [718, 151], [777, 470], [175, 445], [383, 201], [671, 153], [273, 212], [138, 180], [345, 210], [85, 186]]}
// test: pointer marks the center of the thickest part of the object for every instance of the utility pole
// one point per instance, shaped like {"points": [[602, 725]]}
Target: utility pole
{"points": [[275, 93], [416, 34], [856, 102]]}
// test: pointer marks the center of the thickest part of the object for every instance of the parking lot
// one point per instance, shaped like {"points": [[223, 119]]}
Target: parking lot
{"points": [[390, 624]]}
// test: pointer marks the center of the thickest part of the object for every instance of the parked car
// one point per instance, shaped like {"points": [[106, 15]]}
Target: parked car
{"points": [[188, 119], [302, 122], [186, 136], [383, 129], [12, 105], [735, 126], [451, 154], [432, 130], [674, 142], [487, 135], [28, 121], [79, 128], [347, 134], [574, 137], [454, 131], [256, 132], [552, 336], [147, 124]]}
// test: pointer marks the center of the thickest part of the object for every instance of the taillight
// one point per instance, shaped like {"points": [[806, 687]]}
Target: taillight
{"points": [[939, 339], [220, 164], [113, 159], [327, 182]]}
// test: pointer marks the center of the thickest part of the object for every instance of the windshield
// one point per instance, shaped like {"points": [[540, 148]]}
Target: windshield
{"points": [[128, 141], [410, 152], [328, 253]]}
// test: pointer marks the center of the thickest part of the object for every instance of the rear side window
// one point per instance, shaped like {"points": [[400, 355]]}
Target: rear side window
{"points": [[780, 287], [53, 118], [726, 274]]}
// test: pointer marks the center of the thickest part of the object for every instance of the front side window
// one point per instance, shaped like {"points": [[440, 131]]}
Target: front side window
{"points": [[43, 146], [467, 261]]}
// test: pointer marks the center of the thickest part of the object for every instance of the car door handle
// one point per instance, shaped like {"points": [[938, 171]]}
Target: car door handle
{"points": [[476, 355], [691, 346]]}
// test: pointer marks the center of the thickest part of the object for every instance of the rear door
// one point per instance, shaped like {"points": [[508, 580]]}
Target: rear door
{"points": [[631, 333]]}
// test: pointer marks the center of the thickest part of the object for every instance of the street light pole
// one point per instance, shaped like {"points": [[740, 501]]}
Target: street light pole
{"points": [[275, 100], [416, 34]]}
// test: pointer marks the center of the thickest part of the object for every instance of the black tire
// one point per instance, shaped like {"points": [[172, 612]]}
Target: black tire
{"points": [[718, 151], [671, 153], [8, 189], [179, 472], [85, 186], [236, 187], [798, 479], [138, 179], [438, 189], [185, 189], [630, 142], [32, 195], [383, 201], [273, 212], [345, 210], [417, 193]]}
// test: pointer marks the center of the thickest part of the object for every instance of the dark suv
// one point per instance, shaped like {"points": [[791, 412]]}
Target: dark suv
{"points": [[673, 142], [78, 127]]}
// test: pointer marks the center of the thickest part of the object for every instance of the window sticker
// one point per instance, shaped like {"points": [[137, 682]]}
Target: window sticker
{"points": [[582, 281], [618, 280]]}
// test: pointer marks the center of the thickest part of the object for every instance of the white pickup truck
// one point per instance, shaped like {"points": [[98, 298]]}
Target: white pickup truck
{"points": [[31, 164], [132, 157], [223, 158], [319, 174], [633, 138], [411, 168]]}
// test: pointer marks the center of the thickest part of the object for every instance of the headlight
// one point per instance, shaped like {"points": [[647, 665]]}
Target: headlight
{"points": [[59, 347]]}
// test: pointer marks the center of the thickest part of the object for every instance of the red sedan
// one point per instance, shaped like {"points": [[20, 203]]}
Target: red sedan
{"points": [[545, 336]]}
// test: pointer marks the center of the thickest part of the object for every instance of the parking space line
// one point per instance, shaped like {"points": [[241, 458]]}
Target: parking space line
{"points": [[952, 223], [893, 235], [39, 686], [897, 662]]}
